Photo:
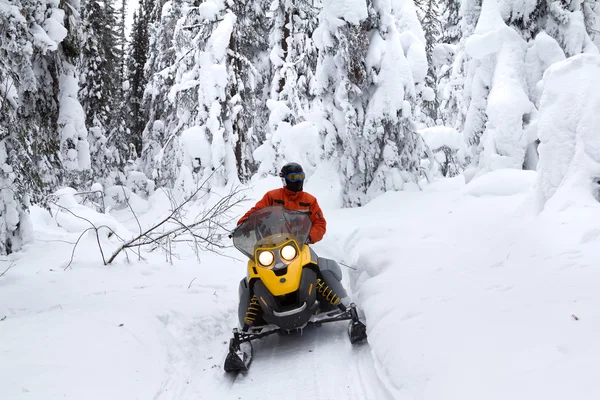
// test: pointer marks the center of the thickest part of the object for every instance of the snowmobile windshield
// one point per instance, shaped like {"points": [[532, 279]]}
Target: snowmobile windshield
{"points": [[271, 227]]}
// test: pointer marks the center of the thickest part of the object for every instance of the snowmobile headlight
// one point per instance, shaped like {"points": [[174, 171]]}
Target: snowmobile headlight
{"points": [[266, 258], [288, 252]]}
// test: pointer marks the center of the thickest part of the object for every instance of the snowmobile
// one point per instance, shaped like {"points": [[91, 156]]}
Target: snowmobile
{"points": [[287, 286]]}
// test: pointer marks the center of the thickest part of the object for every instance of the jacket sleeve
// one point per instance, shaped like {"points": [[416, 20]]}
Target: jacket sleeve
{"points": [[266, 201], [319, 223]]}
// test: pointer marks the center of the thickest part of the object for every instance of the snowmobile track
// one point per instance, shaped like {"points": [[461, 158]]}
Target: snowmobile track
{"points": [[319, 363]]}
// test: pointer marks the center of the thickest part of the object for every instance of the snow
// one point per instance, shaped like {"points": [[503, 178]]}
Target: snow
{"points": [[460, 303], [468, 290], [54, 25], [195, 145], [568, 27], [517, 9], [405, 13], [501, 53], [351, 11], [502, 182], [71, 119], [570, 148], [41, 39], [443, 136], [299, 143], [11, 11], [414, 49], [541, 54], [393, 77], [209, 10], [219, 40]]}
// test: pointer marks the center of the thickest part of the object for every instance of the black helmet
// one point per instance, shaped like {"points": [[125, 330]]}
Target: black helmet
{"points": [[292, 176]]}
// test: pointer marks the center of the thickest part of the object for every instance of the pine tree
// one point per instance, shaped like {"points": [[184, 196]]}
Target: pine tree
{"points": [[101, 91], [451, 32], [367, 91], [528, 19], [293, 62], [138, 54], [159, 147], [17, 168], [430, 20], [566, 24], [251, 76], [591, 12], [42, 133]]}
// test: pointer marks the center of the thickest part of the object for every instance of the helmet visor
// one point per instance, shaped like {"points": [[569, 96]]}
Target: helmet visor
{"points": [[295, 177]]}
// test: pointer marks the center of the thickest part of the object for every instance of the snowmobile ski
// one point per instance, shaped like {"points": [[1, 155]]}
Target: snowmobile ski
{"points": [[239, 356]]}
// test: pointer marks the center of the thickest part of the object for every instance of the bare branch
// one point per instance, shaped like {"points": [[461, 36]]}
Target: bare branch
{"points": [[12, 264], [75, 247], [190, 285]]}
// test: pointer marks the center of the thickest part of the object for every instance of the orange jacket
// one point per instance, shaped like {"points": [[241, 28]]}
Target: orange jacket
{"points": [[294, 201]]}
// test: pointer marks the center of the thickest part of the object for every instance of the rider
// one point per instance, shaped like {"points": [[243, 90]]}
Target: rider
{"points": [[292, 197]]}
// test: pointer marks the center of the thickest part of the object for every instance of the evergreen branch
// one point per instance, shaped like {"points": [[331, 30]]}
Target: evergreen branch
{"points": [[241, 58]]}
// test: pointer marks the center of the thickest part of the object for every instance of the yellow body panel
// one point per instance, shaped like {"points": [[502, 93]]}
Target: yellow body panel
{"points": [[291, 279]]}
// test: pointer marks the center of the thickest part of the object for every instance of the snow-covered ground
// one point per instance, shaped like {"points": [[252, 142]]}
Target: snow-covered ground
{"points": [[467, 295]]}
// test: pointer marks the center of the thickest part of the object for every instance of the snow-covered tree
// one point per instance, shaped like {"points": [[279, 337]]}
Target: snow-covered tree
{"points": [[251, 76], [568, 130], [431, 23], [500, 51], [16, 76], [293, 59], [367, 91], [566, 24], [159, 153], [591, 13], [471, 81], [450, 22], [101, 90], [136, 79], [451, 62], [42, 133], [206, 91], [448, 148]]}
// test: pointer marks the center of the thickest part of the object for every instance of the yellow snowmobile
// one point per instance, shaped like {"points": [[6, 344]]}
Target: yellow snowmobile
{"points": [[287, 286]]}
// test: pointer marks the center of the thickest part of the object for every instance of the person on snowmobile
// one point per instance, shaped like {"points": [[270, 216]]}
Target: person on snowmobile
{"points": [[292, 197]]}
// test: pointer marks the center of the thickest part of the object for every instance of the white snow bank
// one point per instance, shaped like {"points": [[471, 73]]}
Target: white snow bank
{"points": [[502, 182], [466, 300], [568, 131]]}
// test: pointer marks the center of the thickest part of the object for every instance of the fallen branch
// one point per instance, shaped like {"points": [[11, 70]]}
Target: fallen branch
{"points": [[202, 232], [12, 264]]}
